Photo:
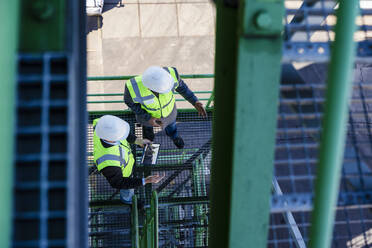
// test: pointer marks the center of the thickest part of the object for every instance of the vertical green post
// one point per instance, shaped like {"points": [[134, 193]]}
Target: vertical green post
{"points": [[8, 46], [150, 231], [334, 125], [211, 98], [155, 216], [135, 232], [247, 75]]}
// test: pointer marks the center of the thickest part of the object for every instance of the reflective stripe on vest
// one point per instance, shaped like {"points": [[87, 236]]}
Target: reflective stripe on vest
{"points": [[141, 99], [174, 74], [149, 102], [120, 158], [106, 157]]}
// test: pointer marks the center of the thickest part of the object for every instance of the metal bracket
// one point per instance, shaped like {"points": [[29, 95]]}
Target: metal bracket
{"points": [[263, 19], [304, 202]]}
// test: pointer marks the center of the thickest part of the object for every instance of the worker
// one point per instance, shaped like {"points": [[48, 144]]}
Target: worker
{"points": [[113, 156], [151, 98]]}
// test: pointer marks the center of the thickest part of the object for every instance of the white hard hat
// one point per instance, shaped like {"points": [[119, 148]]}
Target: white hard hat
{"points": [[157, 79], [112, 128]]}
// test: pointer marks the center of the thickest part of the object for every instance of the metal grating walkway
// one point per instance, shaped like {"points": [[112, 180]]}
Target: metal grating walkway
{"points": [[40, 215], [182, 195]]}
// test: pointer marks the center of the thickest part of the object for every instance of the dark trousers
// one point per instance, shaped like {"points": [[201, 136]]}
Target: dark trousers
{"points": [[170, 130]]}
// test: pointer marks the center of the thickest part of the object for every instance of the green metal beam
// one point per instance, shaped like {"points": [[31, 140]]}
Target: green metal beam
{"points": [[210, 100], [150, 230], [8, 46], [248, 54], [42, 25], [155, 213], [135, 231], [334, 125]]}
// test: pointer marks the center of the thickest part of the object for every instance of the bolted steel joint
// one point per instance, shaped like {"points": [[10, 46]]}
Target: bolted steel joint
{"points": [[42, 10], [262, 20]]}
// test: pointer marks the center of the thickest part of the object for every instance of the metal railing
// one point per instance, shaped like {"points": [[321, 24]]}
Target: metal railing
{"points": [[135, 231], [339, 87], [150, 230], [206, 95]]}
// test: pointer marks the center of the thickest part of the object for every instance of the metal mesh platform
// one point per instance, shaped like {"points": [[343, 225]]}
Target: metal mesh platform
{"points": [[110, 227], [308, 36], [183, 225], [298, 134], [185, 186], [309, 28], [181, 167], [40, 213]]}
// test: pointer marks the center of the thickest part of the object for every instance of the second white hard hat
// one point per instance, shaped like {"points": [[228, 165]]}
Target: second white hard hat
{"points": [[157, 79], [112, 128]]}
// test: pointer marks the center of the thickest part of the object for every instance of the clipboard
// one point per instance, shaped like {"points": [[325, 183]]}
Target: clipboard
{"points": [[148, 151]]}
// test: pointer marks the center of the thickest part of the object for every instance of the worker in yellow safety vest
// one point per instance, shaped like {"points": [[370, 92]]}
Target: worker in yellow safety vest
{"points": [[113, 155], [151, 97]]}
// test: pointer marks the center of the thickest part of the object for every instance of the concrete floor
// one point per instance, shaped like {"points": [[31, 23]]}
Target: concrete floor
{"points": [[135, 34]]}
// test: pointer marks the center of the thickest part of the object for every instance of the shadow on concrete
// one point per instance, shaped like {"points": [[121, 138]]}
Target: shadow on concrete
{"points": [[96, 22], [110, 4]]}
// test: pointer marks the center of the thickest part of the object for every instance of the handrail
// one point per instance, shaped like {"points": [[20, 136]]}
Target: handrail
{"points": [[150, 230], [135, 232], [122, 94], [208, 100], [155, 214], [110, 78], [121, 101], [334, 125], [211, 98]]}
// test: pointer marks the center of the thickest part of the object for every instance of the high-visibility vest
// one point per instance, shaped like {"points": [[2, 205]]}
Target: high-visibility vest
{"points": [[119, 155], [156, 107]]}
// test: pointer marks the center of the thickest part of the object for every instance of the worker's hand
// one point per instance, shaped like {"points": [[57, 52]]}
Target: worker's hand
{"points": [[154, 178], [142, 142], [155, 122], [200, 108]]}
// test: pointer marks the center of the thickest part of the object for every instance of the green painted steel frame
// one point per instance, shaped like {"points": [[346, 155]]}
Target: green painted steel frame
{"points": [[245, 116], [135, 230], [43, 25], [9, 11], [150, 231], [200, 209], [120, 112], [113, 78], [339, 87]]}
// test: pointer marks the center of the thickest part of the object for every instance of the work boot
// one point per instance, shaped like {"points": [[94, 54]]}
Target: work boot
{"points": [[178, 141]]}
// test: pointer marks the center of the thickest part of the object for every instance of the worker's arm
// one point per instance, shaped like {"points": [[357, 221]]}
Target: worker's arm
{"points": [[135, 107], [184, 90], [115, 177], [131, 138]]}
